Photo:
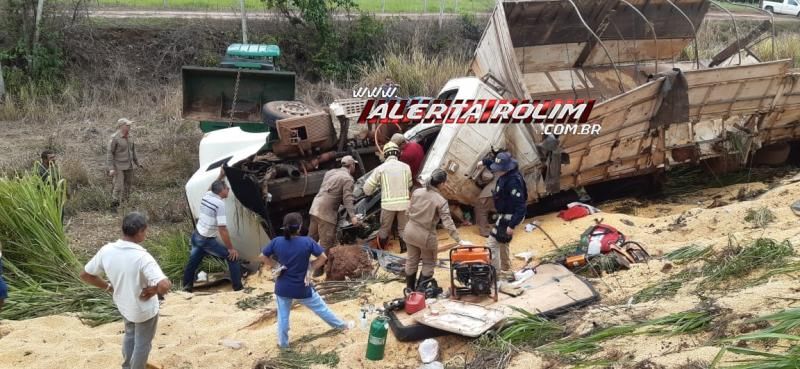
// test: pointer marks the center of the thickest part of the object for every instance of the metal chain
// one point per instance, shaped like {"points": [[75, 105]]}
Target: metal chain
{"points": [[235, 95]]}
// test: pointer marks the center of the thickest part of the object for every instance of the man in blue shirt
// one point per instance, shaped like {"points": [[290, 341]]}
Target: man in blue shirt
{"points": [[510, 196], [294, 280]]}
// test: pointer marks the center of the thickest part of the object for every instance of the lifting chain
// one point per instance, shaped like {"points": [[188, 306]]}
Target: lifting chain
{"points": [[235, 96]]}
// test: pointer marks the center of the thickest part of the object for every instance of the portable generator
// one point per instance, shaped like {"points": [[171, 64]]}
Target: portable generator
{"points": [[471, 272]]}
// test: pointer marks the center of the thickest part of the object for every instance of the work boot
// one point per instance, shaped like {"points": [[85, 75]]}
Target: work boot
{"points": [[411, 282], [402, 246]]}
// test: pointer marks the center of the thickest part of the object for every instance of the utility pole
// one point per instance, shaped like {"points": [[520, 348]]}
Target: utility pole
{"points": [[39, 7], [244, 22]]}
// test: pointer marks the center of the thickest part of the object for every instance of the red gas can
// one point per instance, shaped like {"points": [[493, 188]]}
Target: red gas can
{"points": [[415, 301]]}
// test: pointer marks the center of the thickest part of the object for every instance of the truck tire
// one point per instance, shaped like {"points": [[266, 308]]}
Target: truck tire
{"points": [[769, 9], [274, 111]]}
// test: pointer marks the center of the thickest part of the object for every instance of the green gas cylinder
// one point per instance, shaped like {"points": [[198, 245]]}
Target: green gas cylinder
{"points": [[377, 338]]}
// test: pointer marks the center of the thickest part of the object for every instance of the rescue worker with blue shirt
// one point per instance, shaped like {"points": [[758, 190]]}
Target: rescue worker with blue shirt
{"points": [[510, 196], [294, 276]]}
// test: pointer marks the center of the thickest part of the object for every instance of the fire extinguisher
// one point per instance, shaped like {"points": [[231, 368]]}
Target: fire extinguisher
{"points": [[377, 337]]}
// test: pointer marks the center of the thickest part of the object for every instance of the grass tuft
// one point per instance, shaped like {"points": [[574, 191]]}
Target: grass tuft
{"points": [[687, 254], [529, 329], [171, 249], [664, 289], [685, 322], [737, 262], [254, 302], [760, 217], [299, 360]]}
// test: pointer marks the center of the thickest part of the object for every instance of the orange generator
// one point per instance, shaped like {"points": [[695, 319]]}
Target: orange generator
{"points": [[471, 272]]}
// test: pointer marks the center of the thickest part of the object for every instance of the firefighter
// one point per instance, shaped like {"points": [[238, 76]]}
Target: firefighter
{"points": [[427, 207], [510, 196], [336, 189], [394, 179]]}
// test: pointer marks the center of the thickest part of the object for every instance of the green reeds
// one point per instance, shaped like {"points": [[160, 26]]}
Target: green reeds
{"points": [[664, 289], [172, 250], [41, 270], [685, 322], [584, 346], [529, 329], [736, 262], [687, 254]]}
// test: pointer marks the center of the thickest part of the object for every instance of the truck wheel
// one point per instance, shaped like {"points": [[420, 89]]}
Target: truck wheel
{"points": [[274, 111], [769, 9]]}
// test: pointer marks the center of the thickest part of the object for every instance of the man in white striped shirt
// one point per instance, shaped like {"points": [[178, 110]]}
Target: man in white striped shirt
{"points": [[210, 224]]}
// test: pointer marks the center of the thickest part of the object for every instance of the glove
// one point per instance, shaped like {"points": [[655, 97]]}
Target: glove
{"points": [[465, 243]]}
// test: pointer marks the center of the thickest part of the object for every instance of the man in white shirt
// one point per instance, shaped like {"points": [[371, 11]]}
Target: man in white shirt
{"points": [[134, 280], [212, 223]]}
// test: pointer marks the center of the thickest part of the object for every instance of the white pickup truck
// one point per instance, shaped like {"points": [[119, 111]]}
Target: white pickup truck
{"points": [[790, 7]]}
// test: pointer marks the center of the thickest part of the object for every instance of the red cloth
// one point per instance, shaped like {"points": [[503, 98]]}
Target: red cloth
{"points": [[413, 154], [574, 212]]}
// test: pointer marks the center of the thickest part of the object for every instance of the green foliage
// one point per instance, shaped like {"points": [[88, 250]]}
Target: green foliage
{"points": [[737, 262], [529, 329], [40, 71], [171, 249], [687, 254], [685, 322], [663, 289], [41, 270], [417, 73], [319, 41]]}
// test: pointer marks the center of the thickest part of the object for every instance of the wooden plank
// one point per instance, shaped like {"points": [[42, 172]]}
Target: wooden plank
{"points": [[733, 48], [545, 58], [642, 50]]}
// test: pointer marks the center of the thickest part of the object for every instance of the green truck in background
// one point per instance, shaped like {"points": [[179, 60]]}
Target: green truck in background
{"points": [[237, 92]]}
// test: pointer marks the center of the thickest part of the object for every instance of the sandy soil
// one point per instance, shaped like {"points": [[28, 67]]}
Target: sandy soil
{"points": [[191, 328]]}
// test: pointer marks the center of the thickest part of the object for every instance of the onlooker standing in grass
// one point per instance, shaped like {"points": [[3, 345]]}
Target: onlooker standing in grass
{"points": [[48, 165], [294, 281], [121, 160], [138, 279]]}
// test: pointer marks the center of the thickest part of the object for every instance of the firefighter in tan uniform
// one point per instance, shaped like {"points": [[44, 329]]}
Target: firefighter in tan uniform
{"points": [[427, 207], [121, 159], [336, 189], [393, 177]]}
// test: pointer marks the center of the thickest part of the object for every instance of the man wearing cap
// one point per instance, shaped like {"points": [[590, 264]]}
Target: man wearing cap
{"points": [[411, 153], [510, 195], [393, 177], [427, 207], [336, 189], [121, 160]]}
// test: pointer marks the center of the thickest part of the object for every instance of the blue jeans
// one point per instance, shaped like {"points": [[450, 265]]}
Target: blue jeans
{"points": [[314, 303], [3, 286], [202, 247]]}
